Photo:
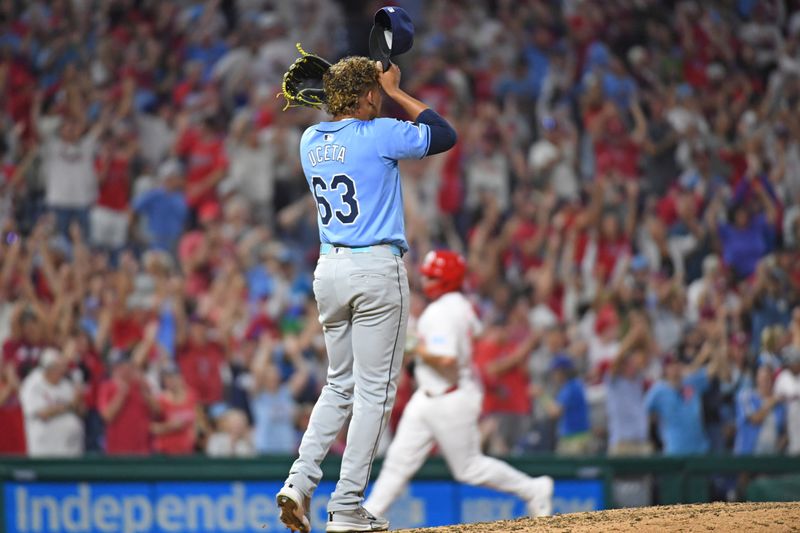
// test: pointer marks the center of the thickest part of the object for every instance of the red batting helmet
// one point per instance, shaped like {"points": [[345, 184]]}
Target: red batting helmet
{"points": [[446, 268]]}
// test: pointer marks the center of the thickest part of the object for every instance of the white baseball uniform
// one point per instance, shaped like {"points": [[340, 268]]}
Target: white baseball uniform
{"points": [[445, 412]]}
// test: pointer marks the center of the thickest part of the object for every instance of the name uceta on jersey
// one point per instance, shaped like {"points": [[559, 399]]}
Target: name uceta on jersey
{"points": [[327, 152]]}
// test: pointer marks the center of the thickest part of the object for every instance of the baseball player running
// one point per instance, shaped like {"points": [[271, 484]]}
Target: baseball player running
{"points": [[360, 281], [445, 407]]}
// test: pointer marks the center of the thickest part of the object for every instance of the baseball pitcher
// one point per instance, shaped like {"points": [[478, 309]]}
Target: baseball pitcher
{"points": [[360, 281], [445, 407]]}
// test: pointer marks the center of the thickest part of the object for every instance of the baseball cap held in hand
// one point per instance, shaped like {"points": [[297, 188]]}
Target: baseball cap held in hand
{"points": [[391, 35]]}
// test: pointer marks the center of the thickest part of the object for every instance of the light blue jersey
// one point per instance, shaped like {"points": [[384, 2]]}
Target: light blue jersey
{"points": [[351, 169]]}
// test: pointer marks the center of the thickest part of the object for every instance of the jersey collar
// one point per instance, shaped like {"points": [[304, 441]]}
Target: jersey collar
{"points": [[330, 127]]}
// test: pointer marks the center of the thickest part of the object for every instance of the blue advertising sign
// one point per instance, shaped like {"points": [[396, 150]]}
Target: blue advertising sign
{"points": [[477, 504], [204, 507]]}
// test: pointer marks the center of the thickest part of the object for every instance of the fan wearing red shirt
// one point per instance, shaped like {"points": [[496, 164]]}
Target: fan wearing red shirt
{"points": [[194, 254], [129, 324], [175, 431], [20, 355], [612, 245], [501, 358], [109, 218], [92, 369], [20, 86], [616, 151], [451, 191], [524, 233], [431, 86], [206, 163], [189, 90], [127, 406], [12, 438], [608, 239], [201, 360]]}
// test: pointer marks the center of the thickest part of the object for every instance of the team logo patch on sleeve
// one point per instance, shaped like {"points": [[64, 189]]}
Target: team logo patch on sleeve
{"points": [[437, 340]]}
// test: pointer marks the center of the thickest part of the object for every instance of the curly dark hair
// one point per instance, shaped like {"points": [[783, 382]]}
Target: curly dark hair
{"points": [[347, 81]]}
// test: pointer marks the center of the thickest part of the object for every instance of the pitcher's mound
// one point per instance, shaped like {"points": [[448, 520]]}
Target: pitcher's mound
{"points": [[722, 517]]}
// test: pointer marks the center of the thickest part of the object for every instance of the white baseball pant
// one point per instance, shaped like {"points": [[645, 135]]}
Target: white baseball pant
{"points": [[451, 421]]}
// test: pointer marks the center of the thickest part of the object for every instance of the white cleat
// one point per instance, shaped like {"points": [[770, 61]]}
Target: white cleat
{"points": [[293, 505], [541, 504]]}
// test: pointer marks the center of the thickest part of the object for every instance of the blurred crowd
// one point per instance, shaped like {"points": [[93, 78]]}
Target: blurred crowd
{"points": [[626, 189]]}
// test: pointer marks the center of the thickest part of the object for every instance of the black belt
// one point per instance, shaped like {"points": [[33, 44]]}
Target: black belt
{"points": [[448, 390]]}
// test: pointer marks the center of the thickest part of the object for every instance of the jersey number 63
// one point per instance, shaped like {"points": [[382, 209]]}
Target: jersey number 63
{"points": [[342, 187]]}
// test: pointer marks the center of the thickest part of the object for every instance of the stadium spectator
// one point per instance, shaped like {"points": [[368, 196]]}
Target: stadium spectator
{"points": [[22, 350], [666, 313], [232, 438], [237, 388], [163, 209], [203, 152], [760, 417], [201, 360], [194, 256], [770, 299], [91, 371], [70, 179], [53, 406], [749, 236], [628, 427], [569, 408], [794, 329], [127, 406], [501, 357], [12, 440], [719, 400], [109, 216], [264, 169], [488, 165], [660, 169], [554, 342], [552, 159], [154, 126], [273, 403], [787, 390], [603, 339], [21, 353], [253, 166], [175, 431], [702, 289], [702, 179], [772, 338], [676, 401]]}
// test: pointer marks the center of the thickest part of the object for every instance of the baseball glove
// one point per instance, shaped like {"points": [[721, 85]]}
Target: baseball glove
{"points": [[302, 83]]}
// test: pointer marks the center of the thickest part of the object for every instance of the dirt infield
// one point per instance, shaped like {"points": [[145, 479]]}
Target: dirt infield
{"points": [[722, 517]]}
